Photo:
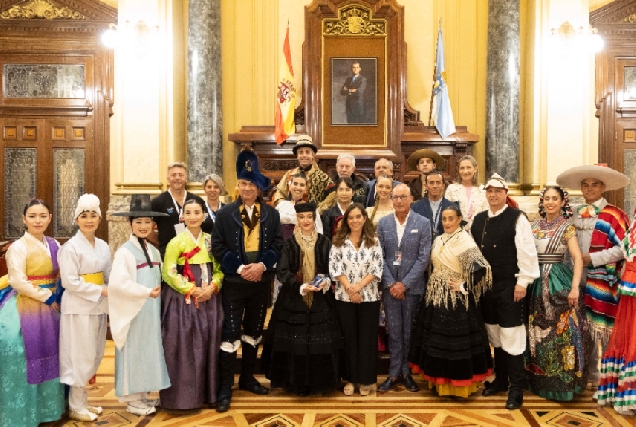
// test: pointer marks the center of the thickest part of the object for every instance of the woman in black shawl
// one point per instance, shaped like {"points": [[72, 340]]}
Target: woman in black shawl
{"points": [[304, 334]]}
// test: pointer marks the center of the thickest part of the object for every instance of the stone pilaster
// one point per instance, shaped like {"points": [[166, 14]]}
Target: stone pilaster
{"points": [[503, 89], [205, 119]]}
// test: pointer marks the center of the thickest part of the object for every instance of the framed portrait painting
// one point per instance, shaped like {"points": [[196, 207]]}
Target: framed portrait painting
{"points": [[354, 91]]}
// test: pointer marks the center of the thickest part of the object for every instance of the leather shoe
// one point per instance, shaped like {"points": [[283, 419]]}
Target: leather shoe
{"points": [[388, 384], [493, 388], [515, 399], [255, 388], [223, 404], [409, 384]]}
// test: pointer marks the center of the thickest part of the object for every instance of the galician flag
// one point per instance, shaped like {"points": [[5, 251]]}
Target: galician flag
{"points": [[442, 114], [286, 97]]}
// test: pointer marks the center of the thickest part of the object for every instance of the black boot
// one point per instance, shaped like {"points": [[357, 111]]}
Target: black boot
{"points": [[516, 373], [500, 382], [226, 380], [248, 366]]}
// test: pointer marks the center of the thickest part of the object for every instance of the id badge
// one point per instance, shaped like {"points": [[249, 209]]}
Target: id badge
{"points": [[179, 228], [397, 259]]}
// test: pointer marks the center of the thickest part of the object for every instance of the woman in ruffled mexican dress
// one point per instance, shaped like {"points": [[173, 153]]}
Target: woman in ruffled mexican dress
{"points": [[449, 346], [192, 316], [617, 385], [557, 326], [30, 388]]}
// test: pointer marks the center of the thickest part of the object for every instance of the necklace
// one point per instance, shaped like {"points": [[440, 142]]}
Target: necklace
{"points": [[449, 239]]}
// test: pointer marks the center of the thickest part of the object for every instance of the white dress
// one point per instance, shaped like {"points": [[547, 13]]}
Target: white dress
{"points": [[470, 202]]}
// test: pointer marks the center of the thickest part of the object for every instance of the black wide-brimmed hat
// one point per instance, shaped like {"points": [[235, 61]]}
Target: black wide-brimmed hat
{"points": [[140, 208]]}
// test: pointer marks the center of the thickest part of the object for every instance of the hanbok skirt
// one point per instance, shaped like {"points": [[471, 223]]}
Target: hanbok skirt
{"points": [[449, 348], [191, 342], [558, 336], [21, 403], [618, 366]]}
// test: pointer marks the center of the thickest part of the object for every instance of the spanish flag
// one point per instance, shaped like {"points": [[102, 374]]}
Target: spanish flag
{"points": [[286, 96]]}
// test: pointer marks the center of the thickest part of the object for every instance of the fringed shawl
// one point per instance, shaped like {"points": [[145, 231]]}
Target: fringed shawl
{"points": [[457, 258]]}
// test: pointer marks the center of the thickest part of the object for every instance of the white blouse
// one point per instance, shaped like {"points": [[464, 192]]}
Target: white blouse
{"points": [[470, 203], [287, 214], [356, 264]]}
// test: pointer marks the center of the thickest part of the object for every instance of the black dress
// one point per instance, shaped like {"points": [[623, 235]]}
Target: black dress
{"points": [[303, 346]]}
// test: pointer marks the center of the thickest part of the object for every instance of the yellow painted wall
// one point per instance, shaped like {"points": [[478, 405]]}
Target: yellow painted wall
{"points": [[253, 34]]}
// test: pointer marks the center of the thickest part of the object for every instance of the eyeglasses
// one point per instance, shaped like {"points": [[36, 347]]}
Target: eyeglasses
{"points": [[401, 198]]}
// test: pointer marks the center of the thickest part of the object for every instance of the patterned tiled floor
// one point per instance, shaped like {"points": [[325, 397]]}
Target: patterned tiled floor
{"points": [[398, 408]]}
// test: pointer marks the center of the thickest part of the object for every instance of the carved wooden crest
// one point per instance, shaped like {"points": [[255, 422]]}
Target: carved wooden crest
{"points": [[616, 12], [40, 9], [354, 20], [67, 10]]}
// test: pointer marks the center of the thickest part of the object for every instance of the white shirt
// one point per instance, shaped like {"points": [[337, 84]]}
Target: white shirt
{"points": [[287, 214], [78, 257], [584, 228], [527, 260], [401, 227]]}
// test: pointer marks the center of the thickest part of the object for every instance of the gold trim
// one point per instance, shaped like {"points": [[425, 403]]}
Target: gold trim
{"points": [[127, 188], [514, 189], [40, 9], [354, 20], [631, 19]]}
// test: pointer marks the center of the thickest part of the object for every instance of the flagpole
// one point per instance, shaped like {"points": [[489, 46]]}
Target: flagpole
{"points": [[430, 107]]}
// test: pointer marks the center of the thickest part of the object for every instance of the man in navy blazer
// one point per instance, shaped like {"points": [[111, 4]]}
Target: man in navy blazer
{"points": [[432, 206], [405, 239]]}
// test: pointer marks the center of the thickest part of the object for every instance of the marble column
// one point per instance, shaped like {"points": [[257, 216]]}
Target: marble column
{"points": [[503, 90], [205, 120]]}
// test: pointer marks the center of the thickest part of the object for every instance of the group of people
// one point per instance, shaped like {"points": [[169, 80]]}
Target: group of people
{"points": [[452, 278]]}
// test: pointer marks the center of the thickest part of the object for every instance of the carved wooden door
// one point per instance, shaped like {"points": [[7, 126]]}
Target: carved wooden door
{"points": [[50, 159], [625, 135]]}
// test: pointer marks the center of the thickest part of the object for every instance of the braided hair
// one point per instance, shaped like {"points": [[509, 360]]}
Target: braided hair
{"points": [[566, 210]]}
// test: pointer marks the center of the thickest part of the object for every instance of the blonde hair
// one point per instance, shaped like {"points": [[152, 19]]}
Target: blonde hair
{"points": [[177, 165], [474, 162], [377, 196]]}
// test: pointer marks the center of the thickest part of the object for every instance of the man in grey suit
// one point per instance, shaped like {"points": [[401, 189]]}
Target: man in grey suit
{"points": [[405, 239]]}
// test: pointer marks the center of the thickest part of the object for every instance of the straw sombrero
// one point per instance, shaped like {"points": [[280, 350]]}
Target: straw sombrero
{"points": [[613, 180], [425, 152]]}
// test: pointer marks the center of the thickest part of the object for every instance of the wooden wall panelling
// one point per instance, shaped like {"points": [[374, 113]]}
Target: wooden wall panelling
{"points": [[63, 122]]}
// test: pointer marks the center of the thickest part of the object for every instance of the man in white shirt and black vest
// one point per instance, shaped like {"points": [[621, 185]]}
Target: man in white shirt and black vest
{"points": [[504, 236]]}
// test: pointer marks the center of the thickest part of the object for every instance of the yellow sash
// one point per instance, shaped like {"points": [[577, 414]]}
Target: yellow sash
{"points": [[95, 278]]}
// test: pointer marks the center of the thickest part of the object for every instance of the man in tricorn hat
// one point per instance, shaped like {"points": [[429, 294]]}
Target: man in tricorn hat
{"points": [[247, 241], [504, 236], [600, 229], [317, 180]]}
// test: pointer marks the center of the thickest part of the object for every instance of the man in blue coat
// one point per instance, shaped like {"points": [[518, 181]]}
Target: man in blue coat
{"points": [[432, 206], [406, 244], [247, 241]]}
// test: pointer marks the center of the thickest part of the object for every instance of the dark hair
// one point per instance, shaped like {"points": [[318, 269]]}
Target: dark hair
{"points": [[348, 182], [368, 232], [435, 172], [299, 175], [455, 208], [566, 210], [34, 202], [192, 201]]}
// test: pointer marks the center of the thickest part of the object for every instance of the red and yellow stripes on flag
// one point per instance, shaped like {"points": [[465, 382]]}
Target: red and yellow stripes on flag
{"points": [[286, 96]]}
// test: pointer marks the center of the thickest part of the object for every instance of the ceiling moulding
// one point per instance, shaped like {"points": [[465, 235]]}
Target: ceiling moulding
{"points": [[73, 10]]}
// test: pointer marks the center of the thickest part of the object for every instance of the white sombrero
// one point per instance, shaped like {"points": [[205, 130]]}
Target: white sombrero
{"points": [[613, 180]]}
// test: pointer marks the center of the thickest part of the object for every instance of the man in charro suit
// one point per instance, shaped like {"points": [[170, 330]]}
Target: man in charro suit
{"points": [[353, 89]]}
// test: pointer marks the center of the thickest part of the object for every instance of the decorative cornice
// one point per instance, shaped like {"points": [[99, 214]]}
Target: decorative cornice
{"points": [[631, 19], [40, 9], [616, 12], [354, 20]]}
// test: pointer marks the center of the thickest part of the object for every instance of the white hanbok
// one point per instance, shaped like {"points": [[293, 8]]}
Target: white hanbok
{"points": [[83, 314]]}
